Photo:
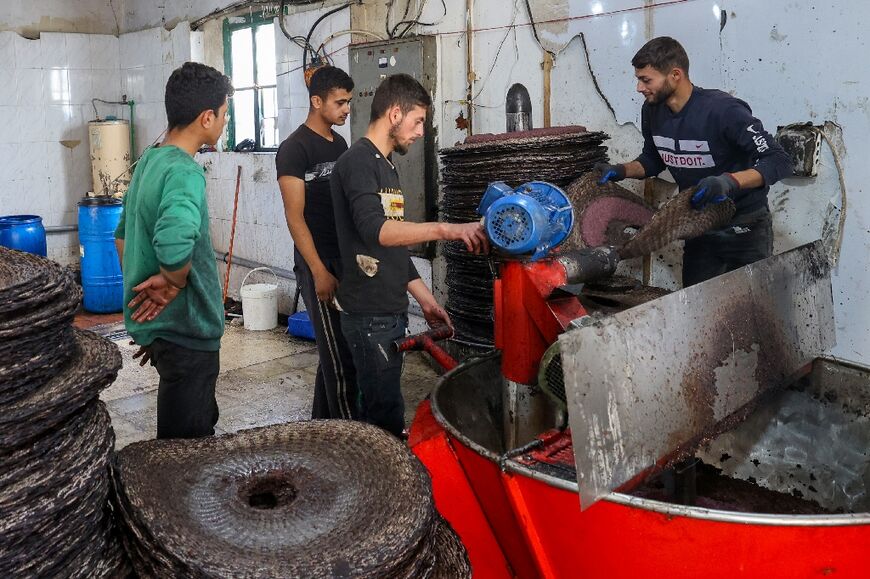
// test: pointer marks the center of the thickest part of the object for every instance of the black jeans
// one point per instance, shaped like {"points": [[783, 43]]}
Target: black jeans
{"points": [[378, 367], [749, 238], [186, 406], [335, 392]]}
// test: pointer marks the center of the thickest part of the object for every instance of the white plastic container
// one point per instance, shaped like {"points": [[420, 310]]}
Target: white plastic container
{"points": [[260, 303]]}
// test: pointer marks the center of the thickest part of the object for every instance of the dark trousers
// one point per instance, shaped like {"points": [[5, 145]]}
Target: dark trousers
{"points": [[186, 406], [378, 367], [749, 238], [335, 392]]}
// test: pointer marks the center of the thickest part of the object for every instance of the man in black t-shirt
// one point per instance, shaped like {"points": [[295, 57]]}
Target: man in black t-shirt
{"points": [[304, 162], [374, 237], [709, 139]]}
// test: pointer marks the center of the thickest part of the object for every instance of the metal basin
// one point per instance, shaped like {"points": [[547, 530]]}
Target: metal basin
{"points": [[536, 516]]}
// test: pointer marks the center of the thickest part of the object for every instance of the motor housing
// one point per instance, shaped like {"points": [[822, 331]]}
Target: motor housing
{"points": [[532, 219]]}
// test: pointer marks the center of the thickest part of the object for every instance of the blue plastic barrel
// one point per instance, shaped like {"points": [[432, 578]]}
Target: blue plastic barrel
{"points": [[24, 233], [102, 282]]}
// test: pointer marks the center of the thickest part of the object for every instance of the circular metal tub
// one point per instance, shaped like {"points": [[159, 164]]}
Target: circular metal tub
{"points": [[537, 520]]}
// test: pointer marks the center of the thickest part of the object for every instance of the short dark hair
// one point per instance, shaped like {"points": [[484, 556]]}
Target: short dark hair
{"points": [[663, 54], [192, 89], [402, 90], [327, 79]]}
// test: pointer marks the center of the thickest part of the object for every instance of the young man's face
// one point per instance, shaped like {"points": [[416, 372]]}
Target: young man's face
{"points": [[406, 128], [335, 108], [214, 124], [655, 86]]}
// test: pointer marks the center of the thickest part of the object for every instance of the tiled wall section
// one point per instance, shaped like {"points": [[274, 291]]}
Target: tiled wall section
{"points": [[147, 58], [45, 102], [261, 231], [46, 87]]}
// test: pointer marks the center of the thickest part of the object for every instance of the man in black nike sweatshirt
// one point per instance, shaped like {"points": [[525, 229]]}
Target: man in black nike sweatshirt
{"points": [[709, 139]]}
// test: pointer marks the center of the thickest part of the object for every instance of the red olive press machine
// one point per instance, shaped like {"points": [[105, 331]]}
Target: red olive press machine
{"points": [[643, 386]]}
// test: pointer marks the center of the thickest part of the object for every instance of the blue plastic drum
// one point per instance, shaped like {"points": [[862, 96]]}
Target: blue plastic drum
{"points": [[102, 282], [24, 233]]}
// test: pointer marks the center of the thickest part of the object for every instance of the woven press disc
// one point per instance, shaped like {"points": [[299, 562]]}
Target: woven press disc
{"points": [[306, 499]]}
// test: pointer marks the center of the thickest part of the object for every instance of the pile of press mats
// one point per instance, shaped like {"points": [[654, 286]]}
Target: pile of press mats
{"points": [[56, 439], [305, 499], [310, 499], [557, 155]]}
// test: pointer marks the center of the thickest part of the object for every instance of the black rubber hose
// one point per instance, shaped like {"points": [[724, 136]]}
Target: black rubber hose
{"points": [[311, 32]]}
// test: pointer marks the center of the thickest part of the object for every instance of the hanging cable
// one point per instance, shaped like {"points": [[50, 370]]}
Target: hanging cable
{"points": [[236, 6], [297, 40], [841, 223], [323, 17], [498, 53], [416, 21], [390, 3], [321, 48], [94, 102], [535, 29]]}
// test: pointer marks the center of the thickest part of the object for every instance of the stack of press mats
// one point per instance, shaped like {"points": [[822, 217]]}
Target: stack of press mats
{"points": [[557, 155], [313, 499], [55, 435]]}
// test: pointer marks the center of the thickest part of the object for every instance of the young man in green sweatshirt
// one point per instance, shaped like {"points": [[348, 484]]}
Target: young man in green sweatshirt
{"points": [[172, 291]]}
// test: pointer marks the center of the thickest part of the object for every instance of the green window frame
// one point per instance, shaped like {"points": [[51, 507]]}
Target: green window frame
{"points": [[253, 23]]}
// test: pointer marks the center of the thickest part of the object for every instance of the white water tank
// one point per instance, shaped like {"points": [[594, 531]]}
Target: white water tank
{"points": [[110, 156]]}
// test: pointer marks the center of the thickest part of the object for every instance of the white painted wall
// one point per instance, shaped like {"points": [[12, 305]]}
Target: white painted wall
{"points": [[31, 17], [142, 14]]}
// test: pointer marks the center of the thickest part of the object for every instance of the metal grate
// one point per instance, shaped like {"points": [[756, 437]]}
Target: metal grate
{"points": [[550, 377], [512, 225], [117, 335]]}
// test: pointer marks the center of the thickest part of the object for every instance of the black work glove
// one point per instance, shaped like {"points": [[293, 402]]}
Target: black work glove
{"points": [[610, 172], [714, 190]]}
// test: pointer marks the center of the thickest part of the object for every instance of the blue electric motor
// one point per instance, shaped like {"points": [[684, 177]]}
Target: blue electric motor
{"points": [[532, 219]]}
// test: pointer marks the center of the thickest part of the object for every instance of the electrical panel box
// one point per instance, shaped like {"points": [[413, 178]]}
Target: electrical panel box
{"points": [[371, 63], [803, 143]]}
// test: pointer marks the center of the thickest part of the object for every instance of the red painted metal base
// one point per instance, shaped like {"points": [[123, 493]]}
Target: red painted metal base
{"points": [[527, 321], [516, 526], [455, 498]]}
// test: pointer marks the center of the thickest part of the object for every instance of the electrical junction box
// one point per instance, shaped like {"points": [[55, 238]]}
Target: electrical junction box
{"points": [[803, 143], [371, 63]]}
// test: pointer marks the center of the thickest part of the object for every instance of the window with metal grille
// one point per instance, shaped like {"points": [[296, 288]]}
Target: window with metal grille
{"points": [[249, 60]]}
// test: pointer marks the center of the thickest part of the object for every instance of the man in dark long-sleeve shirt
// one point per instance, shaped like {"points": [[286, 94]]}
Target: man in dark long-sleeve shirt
{"points": [[374, 237], [709, 139]]}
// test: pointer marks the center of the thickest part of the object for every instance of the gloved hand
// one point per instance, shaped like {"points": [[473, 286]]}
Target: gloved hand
{"points": [[714, 189], [610, 172]]}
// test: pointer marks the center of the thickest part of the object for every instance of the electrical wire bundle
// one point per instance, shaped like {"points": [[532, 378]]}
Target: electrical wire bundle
{"points": [[324, 498], [318, 55], [55, 435], [406, 23], [557, 155]]}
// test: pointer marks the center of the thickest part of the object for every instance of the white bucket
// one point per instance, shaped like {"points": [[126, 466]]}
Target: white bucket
{"points": [[260, 303]]}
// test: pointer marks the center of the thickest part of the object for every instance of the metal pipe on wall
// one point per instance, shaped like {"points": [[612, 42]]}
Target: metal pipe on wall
{"points": [[547, 65], [250, 264], [61, 228], [469, 63]]}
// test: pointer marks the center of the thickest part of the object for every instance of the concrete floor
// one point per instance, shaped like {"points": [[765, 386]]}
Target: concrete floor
{"points": [[266, 378]]}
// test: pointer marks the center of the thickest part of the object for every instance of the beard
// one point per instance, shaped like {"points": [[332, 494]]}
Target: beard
{"points": [[398, 147], [664, 94]]}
